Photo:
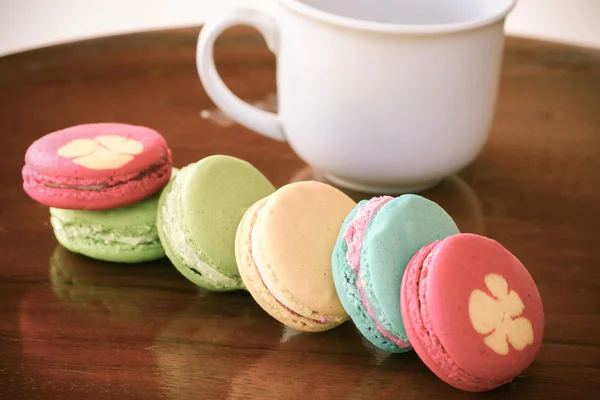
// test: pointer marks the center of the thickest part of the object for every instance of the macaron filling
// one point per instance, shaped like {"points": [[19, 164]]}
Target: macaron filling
{"points": [[158, 170], [268, 282], [176, 235], [418, 313], [270, 285], [140, 235], [280, 299], [354, 236], [90, 187]]}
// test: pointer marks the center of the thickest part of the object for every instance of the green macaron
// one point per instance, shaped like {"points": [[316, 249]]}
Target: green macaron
{"points": [[198, 215], [125, 234]]}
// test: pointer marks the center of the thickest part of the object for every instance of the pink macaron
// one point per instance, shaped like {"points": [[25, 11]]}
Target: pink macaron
{"points": [[96, 166], [472, 312]]}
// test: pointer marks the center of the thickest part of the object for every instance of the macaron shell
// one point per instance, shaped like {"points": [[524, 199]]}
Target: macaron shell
{"points": [[255, 285], [173, 255], [178, 262], [425, 344], [43, 155], [112, 253], [296, 231], [96, 166], [396, 233], [216, 193], [473, 278]]}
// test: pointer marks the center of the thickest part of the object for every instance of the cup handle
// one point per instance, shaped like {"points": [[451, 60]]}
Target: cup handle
{"points": [[264, 122]]}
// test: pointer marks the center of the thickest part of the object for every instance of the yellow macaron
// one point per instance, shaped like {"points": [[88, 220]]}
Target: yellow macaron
{"points": [[283, 250]]}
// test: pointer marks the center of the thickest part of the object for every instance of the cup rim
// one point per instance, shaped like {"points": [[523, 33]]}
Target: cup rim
{"points": [[383, 27]]}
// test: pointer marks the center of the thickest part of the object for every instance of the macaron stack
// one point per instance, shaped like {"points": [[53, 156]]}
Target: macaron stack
{"points": [[312, 258], [101, 182]]}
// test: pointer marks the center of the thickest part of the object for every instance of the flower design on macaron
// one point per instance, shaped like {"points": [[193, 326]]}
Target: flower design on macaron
{"points": [[101, 152], [498, 316]]}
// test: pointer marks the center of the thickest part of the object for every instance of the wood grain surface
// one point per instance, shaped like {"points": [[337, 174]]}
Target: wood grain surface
{"points": [[74, 328]]}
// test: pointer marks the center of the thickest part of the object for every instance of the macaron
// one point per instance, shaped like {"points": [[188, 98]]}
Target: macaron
{"points": [[96, 166], [375, 244], [199, 212], [472, 312], [126, 234], [283, 249]]}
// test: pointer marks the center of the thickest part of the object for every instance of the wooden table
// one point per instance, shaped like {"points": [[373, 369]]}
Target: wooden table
{"points": [[73, 328]]}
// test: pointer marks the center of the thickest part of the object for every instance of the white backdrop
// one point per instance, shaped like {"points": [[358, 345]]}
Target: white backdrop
{"points": [[26, 24]]}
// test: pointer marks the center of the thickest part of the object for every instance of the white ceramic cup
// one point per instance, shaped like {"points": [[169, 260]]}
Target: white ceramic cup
{"points": [[381, 96]]}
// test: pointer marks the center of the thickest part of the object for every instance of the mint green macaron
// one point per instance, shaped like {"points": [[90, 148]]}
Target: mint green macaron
{"points": [[125, 234], [376, 242], [198, 216]]}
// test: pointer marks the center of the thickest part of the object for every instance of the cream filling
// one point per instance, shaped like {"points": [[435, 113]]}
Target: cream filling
{"points": [[268, 281], [99, 235], [177, 238], [90, 187], [106, 186]]}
